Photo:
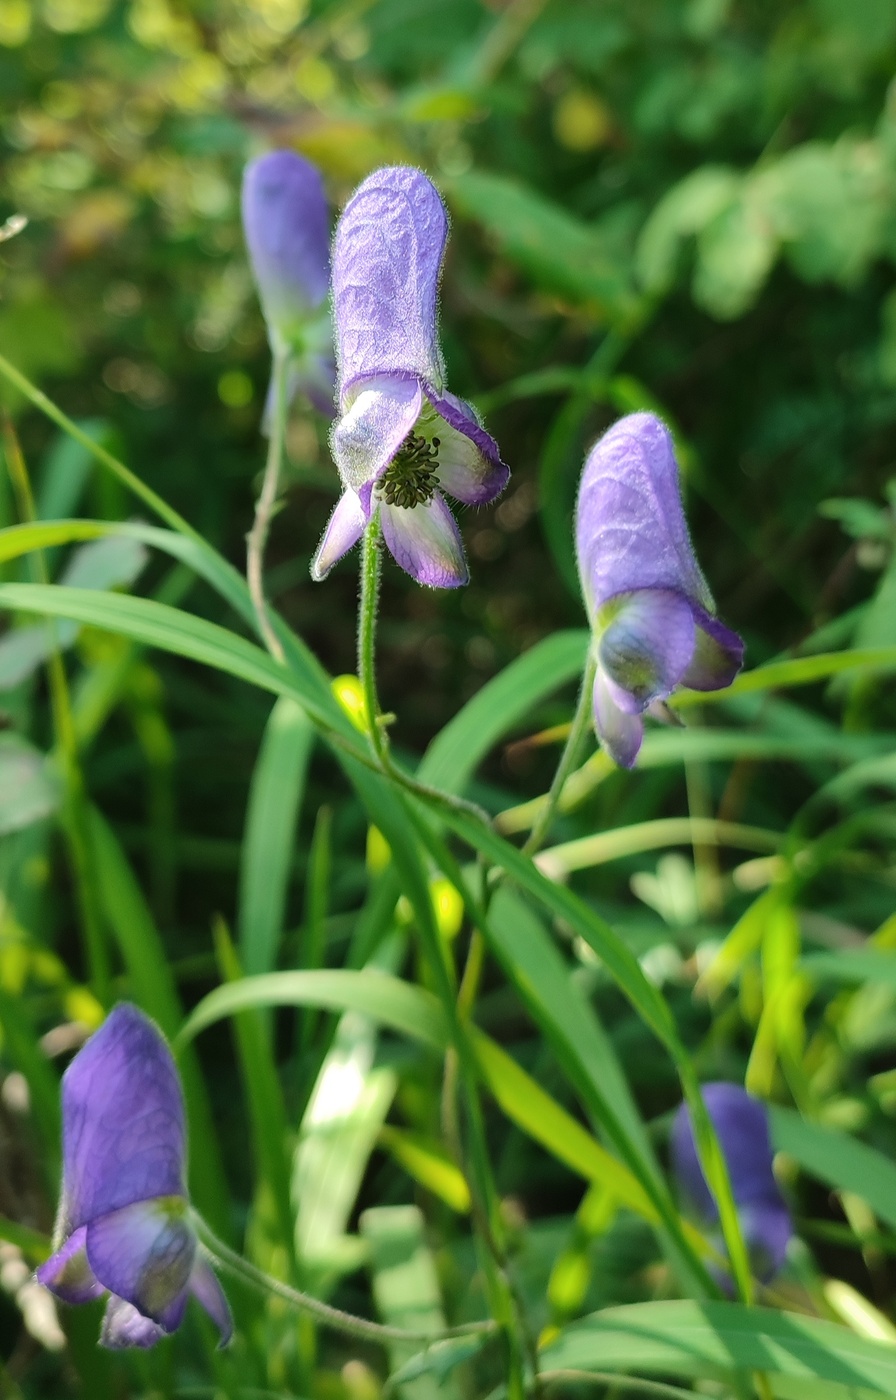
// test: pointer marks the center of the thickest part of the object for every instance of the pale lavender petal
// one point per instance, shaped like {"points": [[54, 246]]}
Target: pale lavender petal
{"points": [[630, 526], [470, 466], [387, 257], [145, 1253], [68, 1274], [124, 1326], [718, 655], [205, 1287], [287, 228], [645, 648], [344, 528], [619, 733], [123, 1120], [426, 543], [378, 418]]}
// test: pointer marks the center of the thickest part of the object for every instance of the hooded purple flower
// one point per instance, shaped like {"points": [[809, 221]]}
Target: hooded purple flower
{"points": [[651, 611], [124, 1224], [287, 229], [741, 1124], [400, 439]]}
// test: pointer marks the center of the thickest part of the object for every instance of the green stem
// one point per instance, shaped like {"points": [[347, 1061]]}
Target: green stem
{"points": [[367, 610], [568, 760], [257, 538], [74, 806], [341, 1321]]}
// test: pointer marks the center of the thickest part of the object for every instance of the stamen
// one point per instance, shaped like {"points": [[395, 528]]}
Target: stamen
{"points": [[412, 476]]}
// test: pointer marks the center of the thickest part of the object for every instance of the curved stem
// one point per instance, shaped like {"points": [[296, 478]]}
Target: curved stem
{"points": [[257, 538], [341, 1321], [568, 760]]}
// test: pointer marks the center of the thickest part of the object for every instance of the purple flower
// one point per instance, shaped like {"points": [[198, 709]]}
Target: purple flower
{"points": [[286, 224], [124, 1223], [741, 1124], [651, 611], [400, 439]]}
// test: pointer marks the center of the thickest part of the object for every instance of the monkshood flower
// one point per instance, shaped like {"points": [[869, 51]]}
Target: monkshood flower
{"points": [[287, 229], [124, 1224], [400, 439], [651, 612], [741, 1125]]}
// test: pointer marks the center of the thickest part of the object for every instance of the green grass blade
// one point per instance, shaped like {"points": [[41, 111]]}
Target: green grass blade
{"points": [[409, 1010], [268, 845], [703, 1339], [838, 1160]]}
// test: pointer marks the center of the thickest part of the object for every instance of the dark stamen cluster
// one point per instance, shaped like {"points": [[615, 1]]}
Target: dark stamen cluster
{"points": [[412, 475]]}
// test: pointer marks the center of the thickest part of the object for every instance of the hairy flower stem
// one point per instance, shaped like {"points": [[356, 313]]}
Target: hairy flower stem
{"points": [[257, 538], [75, 818], [341, 1321], [367, 611], [568, 760]]}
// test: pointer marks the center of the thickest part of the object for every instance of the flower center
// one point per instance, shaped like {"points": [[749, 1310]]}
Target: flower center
{"points": [[412, 476]]}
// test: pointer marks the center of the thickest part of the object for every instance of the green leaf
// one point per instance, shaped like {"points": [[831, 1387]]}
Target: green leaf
{"points": [[837, 1160], [409, 1010], [429, 1164], [406, 1290], [706, 1339], [158, 625], [30, 788], [503, 702], [558, 251], [269, 841]]}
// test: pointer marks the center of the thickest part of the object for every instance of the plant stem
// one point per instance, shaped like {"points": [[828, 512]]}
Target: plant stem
{"points": [[341, 1321], [74, 807], [257, 538], [367, 610], [568, 760]]}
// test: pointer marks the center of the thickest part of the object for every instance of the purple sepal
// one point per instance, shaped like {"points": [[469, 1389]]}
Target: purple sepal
{"points": [[123, 1326], [387, 258], [620, 732], [426, 543], [381, 413], [207, 1291], [124, 1224], [344, 528], [470, 466], [630, 526], [646, 647], [649, 604], [741, 1125], [287, 228], [68, 1274], [718, 655], [124, 1137], [144, 1253]]}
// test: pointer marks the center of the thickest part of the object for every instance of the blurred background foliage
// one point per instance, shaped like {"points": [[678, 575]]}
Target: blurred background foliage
{"points": [[688, 205]]}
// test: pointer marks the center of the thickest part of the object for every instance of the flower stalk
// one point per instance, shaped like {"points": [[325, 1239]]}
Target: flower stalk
{"points": [[256, 540]]}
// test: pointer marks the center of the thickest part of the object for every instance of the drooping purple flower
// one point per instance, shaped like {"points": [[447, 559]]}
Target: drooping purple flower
{"points": [[741, 1125], [400, 439], [124, 1222], [287, 230], [650, 608]]}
